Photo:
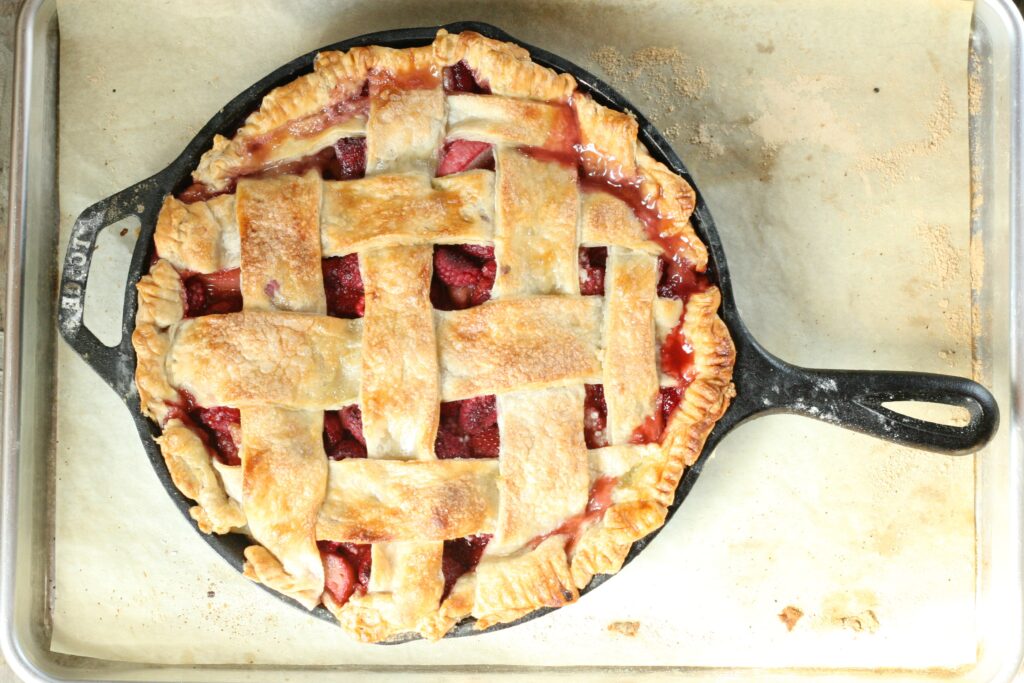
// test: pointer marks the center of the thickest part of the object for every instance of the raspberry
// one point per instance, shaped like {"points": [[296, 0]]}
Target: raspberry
{"points": [[352, 419], [455, 268], [343, 286], [195, 297], [351, 153], [485, 444], [450, 445], [478, 250], [592, 269], [477, 414], [459, 78]]}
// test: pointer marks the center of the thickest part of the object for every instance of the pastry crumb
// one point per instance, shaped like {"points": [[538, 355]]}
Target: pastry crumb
{"points": [[790, 615], [625, 628]]}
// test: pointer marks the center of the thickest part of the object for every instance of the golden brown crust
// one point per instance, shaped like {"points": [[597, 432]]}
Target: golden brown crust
{"points": [[516, 344], [608, 140], [630, 358], [377, 500], [201, 237], [192, 471], [602, 548], [509, 587], [674, 200], [536, 207], [407, 209], [400, 376], [160, 306], [284, 471], [544, 467], [534, 346], [279, 224], [257, 358]]}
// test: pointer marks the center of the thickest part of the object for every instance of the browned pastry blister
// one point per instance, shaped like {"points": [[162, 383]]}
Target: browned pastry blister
{"points": [[558, 510]]}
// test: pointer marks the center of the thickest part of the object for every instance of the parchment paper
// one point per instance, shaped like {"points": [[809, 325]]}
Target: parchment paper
{"points": [[829, 138]]}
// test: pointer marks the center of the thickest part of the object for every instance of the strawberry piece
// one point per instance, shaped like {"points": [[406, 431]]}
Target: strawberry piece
{"points": [[464, 155], [352, 419], [339, 577], [195, 297], [459, 78], [450, 444], [477, 414], [343, 286], [595, 416], [351, 154], [459, 556], [455, 268], [593, 262], [346, 568], [486, 443], [478, 250]]}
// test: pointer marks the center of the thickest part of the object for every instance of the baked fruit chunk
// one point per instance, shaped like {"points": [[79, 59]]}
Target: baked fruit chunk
{"points": [[432, 330]]}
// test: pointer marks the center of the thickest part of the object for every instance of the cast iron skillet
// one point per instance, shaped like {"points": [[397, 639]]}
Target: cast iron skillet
{"points": [[764, 383]]}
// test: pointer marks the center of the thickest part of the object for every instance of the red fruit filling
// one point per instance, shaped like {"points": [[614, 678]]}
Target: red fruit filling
{"points": [[463, 276], [593, 262], [464, 155], [460, 78], [343, 286], [343, 433], [346, 568], [600, 499], [677, 356], [199, 192], [209, 293], [653, 427], [679, 281], [351, 157], [595, 416], [468, 429], [215, 427], [461, 556]]}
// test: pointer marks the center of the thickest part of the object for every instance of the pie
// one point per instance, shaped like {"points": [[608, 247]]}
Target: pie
{"points": [[433, 330]]}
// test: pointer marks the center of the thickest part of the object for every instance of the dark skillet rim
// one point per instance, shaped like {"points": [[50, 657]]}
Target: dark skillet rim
{"points": [[177, 175]]}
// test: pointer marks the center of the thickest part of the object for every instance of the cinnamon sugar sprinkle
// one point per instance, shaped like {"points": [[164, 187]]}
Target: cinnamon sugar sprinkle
{"points": [[662, 74], [940, 125]]}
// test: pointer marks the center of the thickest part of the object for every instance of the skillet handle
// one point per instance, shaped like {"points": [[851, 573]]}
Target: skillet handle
{"points": [[853, 399], [112, 363]]}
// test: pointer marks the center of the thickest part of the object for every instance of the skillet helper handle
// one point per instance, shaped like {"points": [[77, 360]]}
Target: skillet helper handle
{"points": [[112, 363], [853, 399]]}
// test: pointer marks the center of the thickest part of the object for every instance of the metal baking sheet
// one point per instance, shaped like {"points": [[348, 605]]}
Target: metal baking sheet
{"points": [[28, 422]]}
